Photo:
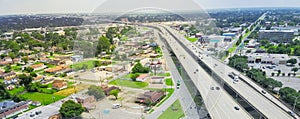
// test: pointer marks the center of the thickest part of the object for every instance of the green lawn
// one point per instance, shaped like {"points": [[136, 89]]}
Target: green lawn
{"points": [[45, 99], [230, 50], [50, 65], [88, 63], [169, 82], [174, 112], [192, 39], [70, 84], [16, 90], [16, 68], [128, 83], [165, 74]]}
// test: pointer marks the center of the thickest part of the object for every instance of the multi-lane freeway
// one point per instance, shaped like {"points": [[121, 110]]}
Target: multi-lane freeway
{"points": [[266, 104], [219, 103]]}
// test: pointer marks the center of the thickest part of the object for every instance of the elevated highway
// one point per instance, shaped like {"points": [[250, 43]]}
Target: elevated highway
{"points": [[267, 106]]}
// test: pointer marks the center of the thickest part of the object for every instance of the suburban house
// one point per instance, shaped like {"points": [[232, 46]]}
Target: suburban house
{"points": [[56, 69], [5, 62], [47, 80], [17, 60], [57, 62], [9, 78], [10, 87], [59, 84], [150, 97], [10, 108], [38, 66], [38, 78], [44, 60], [142, 77]]}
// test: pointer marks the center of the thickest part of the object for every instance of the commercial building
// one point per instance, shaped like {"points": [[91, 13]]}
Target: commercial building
{"points": [[266, 58], [278, 36]]}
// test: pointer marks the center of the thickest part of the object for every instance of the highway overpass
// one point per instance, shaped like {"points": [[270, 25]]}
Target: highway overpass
{"points": [[219, 103], [267, 105]]}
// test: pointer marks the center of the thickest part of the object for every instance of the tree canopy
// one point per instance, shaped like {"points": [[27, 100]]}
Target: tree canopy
{"points": [[138, 68], [238, 62], [103, 45], [96, 91], [3, 92], [114, 92], [70, 109]]}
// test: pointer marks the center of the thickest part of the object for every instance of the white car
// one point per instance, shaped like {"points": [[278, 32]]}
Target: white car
{"points": [[116, 106]]}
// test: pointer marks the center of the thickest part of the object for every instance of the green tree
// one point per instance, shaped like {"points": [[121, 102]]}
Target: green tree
{"points": [[114, 92], [111, 33], [293, 61], [295, 69], [25, 60], [134, 76], [103, 45], [28, 69], [25, 80], [70, 109], [138, 68], [3, 92], [96, 91], [33, 74], [238, 62], [264, 42], [97, 63], [18, 98]]}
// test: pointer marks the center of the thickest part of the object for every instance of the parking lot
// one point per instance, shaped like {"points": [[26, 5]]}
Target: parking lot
{"points": [[290, 81]]}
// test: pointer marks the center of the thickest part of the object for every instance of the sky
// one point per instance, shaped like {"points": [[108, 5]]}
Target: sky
{"points": [[10, 7]]}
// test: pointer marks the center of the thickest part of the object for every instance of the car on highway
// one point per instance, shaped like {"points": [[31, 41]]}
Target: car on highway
{"points": [[291, 113], [236, 108], [263, 92], [178, 84], [234, 76]]}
